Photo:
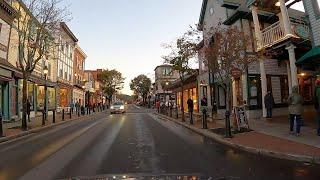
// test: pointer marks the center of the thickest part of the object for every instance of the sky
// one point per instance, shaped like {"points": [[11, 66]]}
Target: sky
{"points": [[128, 35]]}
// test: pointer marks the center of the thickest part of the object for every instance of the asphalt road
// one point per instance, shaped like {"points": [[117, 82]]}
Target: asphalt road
{"points": [[135, 143]]}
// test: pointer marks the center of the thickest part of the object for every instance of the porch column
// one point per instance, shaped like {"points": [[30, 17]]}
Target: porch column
{"points": [[263, 86], [289, 77], [293, 67], [285, 18], [257, 29]]}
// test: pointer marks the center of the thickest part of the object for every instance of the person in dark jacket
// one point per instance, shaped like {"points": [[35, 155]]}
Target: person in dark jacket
{"points": [[295, 102], [204, 104], [269, 102], [190, 109]]}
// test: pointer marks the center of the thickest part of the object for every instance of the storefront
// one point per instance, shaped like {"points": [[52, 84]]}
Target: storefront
{"points": [[78, 95], [51, 95], [64, 95], [190, 91], [5, 78]]}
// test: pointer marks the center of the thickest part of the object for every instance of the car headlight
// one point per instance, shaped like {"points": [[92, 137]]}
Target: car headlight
{"points": [[122, 107], [112, 107]]}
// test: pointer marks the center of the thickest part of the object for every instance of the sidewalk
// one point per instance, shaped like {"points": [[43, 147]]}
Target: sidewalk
{"points": [[270, 139], [14, 128]]}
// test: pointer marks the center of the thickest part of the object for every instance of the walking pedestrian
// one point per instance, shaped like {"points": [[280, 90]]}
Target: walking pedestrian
{"points": [[190, 109], [317, 104], [71, 107], [28, 109], [295, 110], [269, 102], [204, 104], [158, 106]]}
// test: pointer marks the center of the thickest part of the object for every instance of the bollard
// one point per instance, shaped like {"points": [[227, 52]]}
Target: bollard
{"points": [[43, 117], [70, 114], [204, 119], [228, 126], [53, 116], [1, 130], [62, 114]]}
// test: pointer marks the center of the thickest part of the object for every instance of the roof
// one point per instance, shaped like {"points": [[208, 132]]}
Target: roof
{"points": [[202, 14], [244, 12], [163, 65], [313, 56], [81, 51], [68, 31]]}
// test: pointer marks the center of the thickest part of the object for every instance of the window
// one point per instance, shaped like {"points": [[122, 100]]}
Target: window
{"points": [[316, 7], [167, 72]]}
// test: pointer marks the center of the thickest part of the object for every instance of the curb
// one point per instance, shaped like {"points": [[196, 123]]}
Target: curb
{"points": [[39, 129], [263, 152]]}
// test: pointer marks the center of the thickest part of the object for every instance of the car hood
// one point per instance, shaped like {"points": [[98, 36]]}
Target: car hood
{"points": [[147, 176]]}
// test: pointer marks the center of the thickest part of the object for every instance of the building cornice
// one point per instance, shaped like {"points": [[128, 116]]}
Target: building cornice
{"points": [[65, 27]]}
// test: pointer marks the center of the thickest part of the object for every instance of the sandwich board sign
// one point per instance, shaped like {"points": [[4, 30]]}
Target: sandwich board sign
{"points": [[241, 117]]}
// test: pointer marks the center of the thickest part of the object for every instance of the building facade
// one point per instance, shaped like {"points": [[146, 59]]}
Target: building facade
{"points": [[79, 58], [66, 42], [276, 73], [164, 76], [8, 80]]}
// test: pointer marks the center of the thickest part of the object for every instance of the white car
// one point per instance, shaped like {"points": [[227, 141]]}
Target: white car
{"points": [[117, 107]]}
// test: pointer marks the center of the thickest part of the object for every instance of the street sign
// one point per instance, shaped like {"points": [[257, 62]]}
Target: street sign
{"points": [[241, 117]]}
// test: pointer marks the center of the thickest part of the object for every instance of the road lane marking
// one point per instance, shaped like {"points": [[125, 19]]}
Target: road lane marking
{"points": [[51, 167]]}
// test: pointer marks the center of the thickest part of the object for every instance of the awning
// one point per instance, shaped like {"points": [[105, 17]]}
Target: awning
{"points": [[313, 56]]}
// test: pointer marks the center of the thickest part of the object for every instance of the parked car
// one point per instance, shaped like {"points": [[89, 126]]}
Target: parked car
{"points": [[117, 107]]}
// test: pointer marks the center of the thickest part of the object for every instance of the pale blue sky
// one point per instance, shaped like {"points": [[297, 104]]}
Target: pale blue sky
{"points": [[127, 34]]}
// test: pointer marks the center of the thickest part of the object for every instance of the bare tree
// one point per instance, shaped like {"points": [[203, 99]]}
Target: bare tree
{"points": [[182, 51], [226, 56], [36, 24]]}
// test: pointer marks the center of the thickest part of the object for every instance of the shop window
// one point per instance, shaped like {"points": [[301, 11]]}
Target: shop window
{"points": [[254, 91]]}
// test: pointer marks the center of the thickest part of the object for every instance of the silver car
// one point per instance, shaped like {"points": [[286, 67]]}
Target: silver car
{"points": [[117, 107]]}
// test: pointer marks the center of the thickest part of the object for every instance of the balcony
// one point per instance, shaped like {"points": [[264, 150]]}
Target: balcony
{"points": [[275, 34]]}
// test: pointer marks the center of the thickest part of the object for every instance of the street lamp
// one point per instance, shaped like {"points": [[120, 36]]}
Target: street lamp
{"points": [[45, 108]]}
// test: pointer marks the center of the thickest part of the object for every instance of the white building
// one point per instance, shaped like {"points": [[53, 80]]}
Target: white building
{"points": [[265, 24], [66, 42]]}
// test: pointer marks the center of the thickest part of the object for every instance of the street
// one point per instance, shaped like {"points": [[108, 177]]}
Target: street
{"points": [[135, 143]]}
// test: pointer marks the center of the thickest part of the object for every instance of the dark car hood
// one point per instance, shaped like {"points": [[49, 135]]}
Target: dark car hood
{"points": [[147, 177]]}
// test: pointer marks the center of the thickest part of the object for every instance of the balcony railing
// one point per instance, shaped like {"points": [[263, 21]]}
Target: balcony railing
{"points": [[274, 33]]}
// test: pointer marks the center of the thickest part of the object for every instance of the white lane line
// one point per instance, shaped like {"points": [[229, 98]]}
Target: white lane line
{"points": [[137, 106], [44, 171], [52, 166]]}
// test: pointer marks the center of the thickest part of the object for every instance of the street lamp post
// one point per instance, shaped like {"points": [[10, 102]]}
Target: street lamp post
{"points": [[45, 108]]}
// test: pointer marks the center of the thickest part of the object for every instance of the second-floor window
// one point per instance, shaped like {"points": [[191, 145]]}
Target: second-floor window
{"points": [[167, 72]]}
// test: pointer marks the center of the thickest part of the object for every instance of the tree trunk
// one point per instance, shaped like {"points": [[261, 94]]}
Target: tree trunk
{"points": [[228, 109], [24, 125], [181, 101]]}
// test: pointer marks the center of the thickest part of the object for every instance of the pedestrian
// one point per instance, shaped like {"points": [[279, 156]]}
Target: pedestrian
{"points": [[28, 109], [71, 106], [295, 110], [190, 109], [158, 106], [269, 102], [77, 105], [204, 104], [317, 103]]}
